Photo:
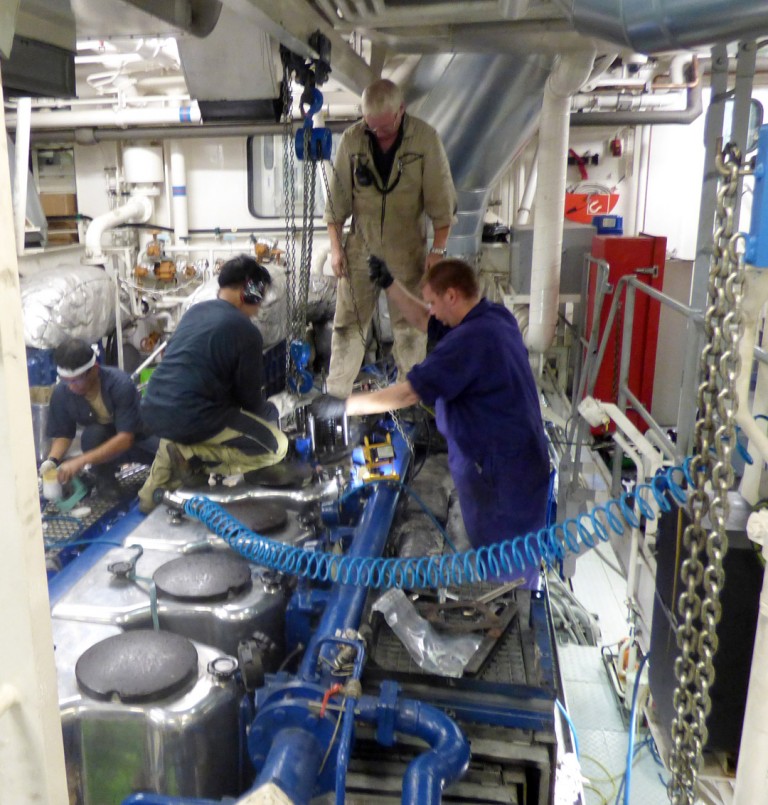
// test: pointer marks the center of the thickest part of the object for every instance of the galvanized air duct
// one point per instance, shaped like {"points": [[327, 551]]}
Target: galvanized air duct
{"points": [[670, 24], [485, 109]]}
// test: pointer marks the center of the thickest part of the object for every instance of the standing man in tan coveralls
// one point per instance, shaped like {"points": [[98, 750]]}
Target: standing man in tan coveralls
{"points": [[391, 173]]}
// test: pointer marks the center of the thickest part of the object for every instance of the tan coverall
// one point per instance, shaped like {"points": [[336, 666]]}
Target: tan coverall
{"points": [[392, 225]]}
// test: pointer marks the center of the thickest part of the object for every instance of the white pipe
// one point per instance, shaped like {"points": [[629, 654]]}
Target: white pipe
{"points": [[755, 294], [643, 134], [121, 118], [524, 210], [752, 770], [138, 209], [179, 193], [569, 74], [624, 102], [21, 172]]}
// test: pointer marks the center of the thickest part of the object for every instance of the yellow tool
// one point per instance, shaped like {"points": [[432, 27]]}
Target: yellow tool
{"points": [[379, 461]]}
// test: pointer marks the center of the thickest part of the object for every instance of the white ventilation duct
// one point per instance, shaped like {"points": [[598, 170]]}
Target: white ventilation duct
{"points": [[567, 77]]}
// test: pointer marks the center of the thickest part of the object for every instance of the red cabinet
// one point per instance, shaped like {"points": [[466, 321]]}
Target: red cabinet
{"points": [[628, 255]]}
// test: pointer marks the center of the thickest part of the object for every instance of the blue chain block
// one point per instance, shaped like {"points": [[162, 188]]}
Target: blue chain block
{"points": [[320, 140], [301, 383], [300, 353]]}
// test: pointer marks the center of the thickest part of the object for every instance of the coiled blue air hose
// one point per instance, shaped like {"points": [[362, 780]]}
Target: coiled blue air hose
{"points": [[509, 556]]}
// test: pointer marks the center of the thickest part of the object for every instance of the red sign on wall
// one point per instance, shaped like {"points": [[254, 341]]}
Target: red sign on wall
{"points": [[582, 207]]}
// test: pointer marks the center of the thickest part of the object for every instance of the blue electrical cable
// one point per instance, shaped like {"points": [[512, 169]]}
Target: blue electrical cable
{"points": [[632, 725], [572, 727], [510, 556]]}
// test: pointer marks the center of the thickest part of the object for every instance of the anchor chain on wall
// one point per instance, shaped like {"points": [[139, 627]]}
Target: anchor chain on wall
{"points": [[714, 436]]}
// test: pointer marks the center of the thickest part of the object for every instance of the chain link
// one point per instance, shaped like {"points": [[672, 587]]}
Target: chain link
{"points": [[289, 209], [714, 436]]}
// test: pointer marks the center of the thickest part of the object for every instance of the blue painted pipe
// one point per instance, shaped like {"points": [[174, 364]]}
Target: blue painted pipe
{"points": [[444, 763], [345, 606], [293, 764]]}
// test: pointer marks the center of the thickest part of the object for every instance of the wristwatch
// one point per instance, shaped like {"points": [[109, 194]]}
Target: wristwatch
{"points": [[441, 252]]}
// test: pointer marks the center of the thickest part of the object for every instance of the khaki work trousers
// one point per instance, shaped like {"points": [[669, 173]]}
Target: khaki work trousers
{"points": [[217, 457], [356, 299]]}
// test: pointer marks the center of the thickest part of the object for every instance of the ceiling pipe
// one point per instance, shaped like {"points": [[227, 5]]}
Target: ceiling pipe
{"points": [[650, 117], [669, 24], [138, 116], [569, 74]]}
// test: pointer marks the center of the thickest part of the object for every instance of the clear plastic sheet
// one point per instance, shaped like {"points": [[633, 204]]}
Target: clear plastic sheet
{"points": [[431, 650]]}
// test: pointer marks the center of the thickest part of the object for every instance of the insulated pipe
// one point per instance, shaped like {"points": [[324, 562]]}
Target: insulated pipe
{"points": [[292, 498], [21, 172], [137, 209], [524, 210], [122, 118], [653, 117], [568, 76], [670, 24], [448, 756], [179, 194]]}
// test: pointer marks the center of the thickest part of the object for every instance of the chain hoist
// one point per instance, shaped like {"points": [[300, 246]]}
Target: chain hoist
{"points": [[714, 437], [310, 144], [289, 207]]}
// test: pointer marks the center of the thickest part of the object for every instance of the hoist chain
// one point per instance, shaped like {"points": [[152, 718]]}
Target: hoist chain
{"points": [[289, 204], [714, 436], [308, 231]]}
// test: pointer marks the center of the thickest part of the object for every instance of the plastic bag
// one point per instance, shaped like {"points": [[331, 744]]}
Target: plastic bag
{"points": [[436, 653]]}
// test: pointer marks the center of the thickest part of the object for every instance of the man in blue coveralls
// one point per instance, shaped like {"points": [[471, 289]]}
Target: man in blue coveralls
{"points": [[479, 380]]}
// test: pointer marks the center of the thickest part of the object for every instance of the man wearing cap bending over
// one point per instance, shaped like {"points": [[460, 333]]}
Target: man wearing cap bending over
{"points": [[479, 380], [205, 398], [391, 173], [104, 401]]}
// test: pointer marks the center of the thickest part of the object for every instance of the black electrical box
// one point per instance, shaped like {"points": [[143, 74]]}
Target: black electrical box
{"points": [[736, 631]]}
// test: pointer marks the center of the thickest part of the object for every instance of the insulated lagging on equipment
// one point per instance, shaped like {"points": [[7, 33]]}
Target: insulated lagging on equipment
{"points": [[510, 556]]}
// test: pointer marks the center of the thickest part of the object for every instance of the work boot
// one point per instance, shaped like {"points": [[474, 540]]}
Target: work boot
{"points": [[189, 472]]}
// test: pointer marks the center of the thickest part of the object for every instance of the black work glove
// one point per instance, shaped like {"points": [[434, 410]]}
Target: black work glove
{"points": [[379, 273], [326, 406]]}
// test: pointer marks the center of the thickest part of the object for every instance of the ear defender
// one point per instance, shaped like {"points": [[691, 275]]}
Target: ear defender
{"points": [[252, 293]]}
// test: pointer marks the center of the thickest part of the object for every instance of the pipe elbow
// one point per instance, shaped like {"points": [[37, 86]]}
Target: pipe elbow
{"points": [[570, 73], [137, 210], [539, 337]]}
